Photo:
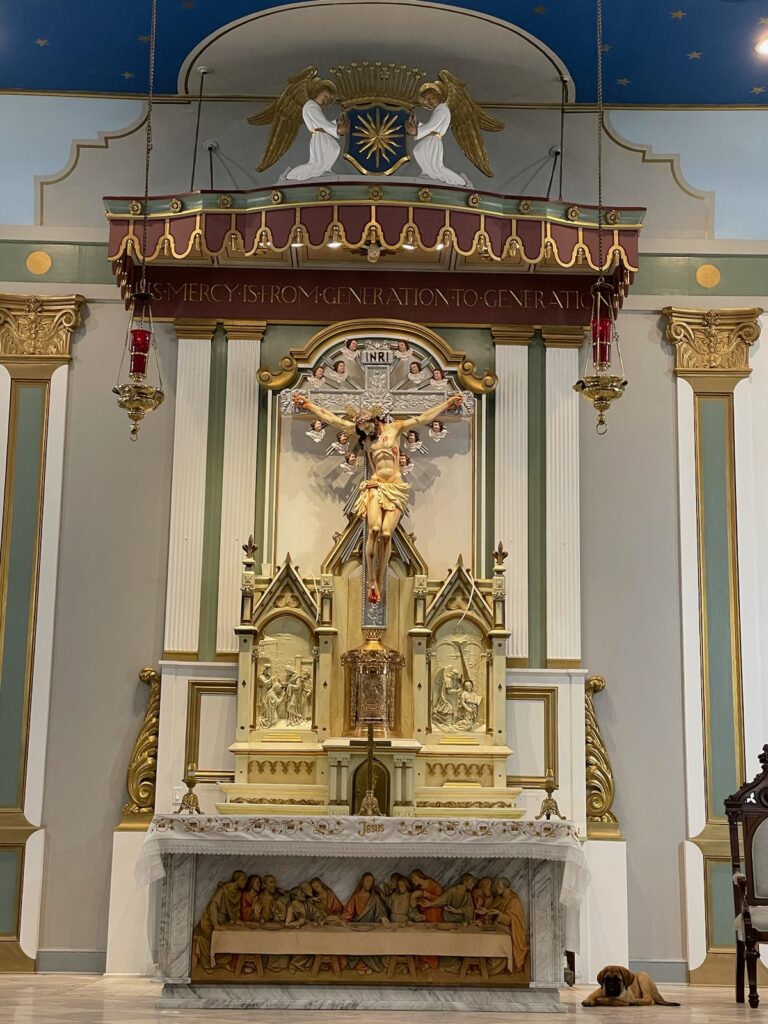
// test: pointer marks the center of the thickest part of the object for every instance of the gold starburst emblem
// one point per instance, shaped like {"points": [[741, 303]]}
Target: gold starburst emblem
{"points": [[378, 135]]}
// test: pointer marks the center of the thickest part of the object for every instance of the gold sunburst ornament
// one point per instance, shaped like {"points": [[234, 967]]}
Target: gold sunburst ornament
{"points": [[378, 135]]}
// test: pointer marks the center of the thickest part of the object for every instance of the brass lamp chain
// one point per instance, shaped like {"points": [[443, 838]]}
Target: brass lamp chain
{"points": [[600, 135], [148, 147]]}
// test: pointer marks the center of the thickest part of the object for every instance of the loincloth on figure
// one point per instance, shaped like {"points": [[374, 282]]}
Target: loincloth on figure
{"points": [[390, 495]]}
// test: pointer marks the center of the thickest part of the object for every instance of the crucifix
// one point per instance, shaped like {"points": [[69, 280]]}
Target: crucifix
{"points": [[378, 415]]}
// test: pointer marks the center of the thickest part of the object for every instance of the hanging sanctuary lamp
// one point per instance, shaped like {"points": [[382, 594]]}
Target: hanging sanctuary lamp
{"points": [[598, 384], [135, 394]]}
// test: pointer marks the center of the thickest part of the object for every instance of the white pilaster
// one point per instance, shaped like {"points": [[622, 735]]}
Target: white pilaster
{"points": [[34, 854], [689, 608], [190, 448], [563, 551], [238, 498], [46, 596], [511, 474]]}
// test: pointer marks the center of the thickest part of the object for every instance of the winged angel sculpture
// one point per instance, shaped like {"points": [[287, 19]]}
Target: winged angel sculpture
{"points": [[446, 101]]}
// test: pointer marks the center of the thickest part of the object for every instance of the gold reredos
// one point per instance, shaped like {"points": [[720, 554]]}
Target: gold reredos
{"points": [[363, 82]]}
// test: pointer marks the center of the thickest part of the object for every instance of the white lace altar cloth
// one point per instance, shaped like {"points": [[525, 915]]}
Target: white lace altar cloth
{"points": [[367, 837]]}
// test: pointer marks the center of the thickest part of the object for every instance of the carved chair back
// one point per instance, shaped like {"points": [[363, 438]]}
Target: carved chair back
{"points": [[747, 813]]}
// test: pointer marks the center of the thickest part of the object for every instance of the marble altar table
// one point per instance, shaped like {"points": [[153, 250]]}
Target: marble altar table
{"points": [[402, 955]]}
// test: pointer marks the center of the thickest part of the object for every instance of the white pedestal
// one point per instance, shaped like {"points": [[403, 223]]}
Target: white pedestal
{"points": [[128, 950], [604, 916]]}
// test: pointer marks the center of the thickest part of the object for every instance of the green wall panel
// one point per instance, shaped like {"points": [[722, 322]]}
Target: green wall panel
{"points": [[10, 878], [721, 677], [720, 908], [26, 462], [214, 475], [537, 504]]}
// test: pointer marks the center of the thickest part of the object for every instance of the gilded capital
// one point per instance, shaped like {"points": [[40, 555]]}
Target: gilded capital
{"points": [[36, 327], [712, 345]]}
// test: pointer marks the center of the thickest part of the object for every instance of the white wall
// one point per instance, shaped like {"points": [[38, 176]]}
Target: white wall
{"points": [[110, 602], [631, 626]]}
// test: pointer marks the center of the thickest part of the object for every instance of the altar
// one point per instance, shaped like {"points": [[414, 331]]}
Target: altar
{"points": [[483, 908]]}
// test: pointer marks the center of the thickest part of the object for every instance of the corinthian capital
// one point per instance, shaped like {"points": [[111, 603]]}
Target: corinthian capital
{"points": [[38, 326], [712, 345]]}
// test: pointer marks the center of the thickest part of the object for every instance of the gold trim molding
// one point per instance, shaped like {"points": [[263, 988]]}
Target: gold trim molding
{"points": [[142, 767], [197, 689], [38, 327], [192, 329], [563, 336], [244, 330], [602, 823], [512, 334], [547, 695], [712, 345]]}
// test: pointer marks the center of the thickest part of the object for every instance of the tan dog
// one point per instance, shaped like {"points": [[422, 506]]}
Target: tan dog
{"points": [[620, 987]]}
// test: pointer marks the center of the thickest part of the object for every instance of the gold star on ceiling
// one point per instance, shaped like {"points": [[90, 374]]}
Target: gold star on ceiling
{"points": [[606, 47], [623, 81], [188, 5], [127, 74], [758, 89], [41, 43], [694, 55], [539, 10], [764, 21], [677, 15], [143, 39]]}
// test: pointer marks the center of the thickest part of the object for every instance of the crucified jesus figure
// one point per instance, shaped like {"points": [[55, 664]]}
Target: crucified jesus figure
{"points": [[383, 496]]}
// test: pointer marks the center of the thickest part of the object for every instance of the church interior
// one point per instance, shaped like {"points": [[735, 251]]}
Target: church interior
{"points": [[382, 581]]}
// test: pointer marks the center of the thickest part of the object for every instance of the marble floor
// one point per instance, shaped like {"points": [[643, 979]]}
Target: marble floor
{"points": [[89, 999]]}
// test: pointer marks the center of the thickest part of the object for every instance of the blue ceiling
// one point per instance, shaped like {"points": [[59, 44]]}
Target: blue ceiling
{"points": [[657, 51]]}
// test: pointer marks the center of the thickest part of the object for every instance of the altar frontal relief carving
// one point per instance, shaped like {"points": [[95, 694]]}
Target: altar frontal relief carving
{"points": [[416, 925]]}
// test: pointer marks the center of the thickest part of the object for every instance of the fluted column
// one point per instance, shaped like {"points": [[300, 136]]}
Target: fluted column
{"points": [[238, 497], [190, 447], [35, 342], [562, 461], [511, 510]]}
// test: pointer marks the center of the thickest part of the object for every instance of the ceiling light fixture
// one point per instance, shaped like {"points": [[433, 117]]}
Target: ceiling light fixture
{"points": [[762, 46]]}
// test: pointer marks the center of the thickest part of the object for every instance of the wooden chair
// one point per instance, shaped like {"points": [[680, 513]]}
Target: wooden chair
{"points": [[747, 812]]}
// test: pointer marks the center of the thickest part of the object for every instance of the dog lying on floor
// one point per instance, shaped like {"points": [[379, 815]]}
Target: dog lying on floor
{"points": [[620, 987]]}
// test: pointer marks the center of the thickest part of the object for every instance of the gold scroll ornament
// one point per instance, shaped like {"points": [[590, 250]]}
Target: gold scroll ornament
{"points": [[142, 767], [602, 823]]}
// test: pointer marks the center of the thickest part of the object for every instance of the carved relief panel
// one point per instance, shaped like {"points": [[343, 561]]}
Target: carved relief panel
{"points": [[285, 675], [458, 678]]}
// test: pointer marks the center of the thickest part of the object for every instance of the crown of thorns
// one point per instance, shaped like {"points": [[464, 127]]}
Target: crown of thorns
{"points": [[367, 413]]}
